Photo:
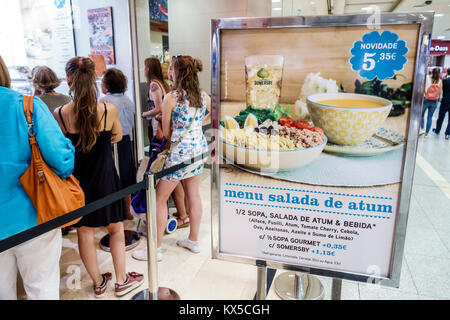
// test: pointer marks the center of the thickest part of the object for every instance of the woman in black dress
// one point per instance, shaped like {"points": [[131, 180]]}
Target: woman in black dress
{"points": [[92, 127]]}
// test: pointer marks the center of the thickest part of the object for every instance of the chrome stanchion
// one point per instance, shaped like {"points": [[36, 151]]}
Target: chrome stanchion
{"points": [[297, 286], [336, 289], [153, 292], [131, 237], [262, 283]]}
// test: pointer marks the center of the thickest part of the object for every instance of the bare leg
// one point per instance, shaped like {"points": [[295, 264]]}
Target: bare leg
{"points": [[195, 205], [117, 247], [185, 198], [163, 191], [179, 199], [88, 253], [127, 207]]}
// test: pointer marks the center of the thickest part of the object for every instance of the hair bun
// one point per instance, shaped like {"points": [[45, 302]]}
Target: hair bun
{"points": [[198, 65]]}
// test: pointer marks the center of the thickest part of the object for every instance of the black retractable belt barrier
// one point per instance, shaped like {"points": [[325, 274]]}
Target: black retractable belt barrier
{"points": [[179, 166], [32, 233], [60, 221]]}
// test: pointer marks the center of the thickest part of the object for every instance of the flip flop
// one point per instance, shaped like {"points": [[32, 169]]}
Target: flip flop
{"points": [[184, 223]]}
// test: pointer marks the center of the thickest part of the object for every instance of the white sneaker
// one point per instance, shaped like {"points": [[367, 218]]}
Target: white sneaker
{"points": [[188, 244], [140, 255], [159, 254], [143, 256]]}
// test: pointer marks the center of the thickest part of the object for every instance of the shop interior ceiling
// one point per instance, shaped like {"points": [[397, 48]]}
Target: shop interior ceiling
{"points": [[441, 28]]}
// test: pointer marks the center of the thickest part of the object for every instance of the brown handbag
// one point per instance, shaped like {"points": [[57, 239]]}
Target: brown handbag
{"points": [[52, 196], [158, 163]]}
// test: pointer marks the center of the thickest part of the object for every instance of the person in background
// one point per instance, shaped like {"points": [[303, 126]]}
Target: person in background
{"points": [[114, 85], [445, 107], [45, 82], [185, 106], [178, 194], [37, 260], [157, 90], [433, 90], [92, 127]]}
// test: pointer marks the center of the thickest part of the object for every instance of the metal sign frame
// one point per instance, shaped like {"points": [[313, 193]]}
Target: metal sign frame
{"points": [[425, 21]]}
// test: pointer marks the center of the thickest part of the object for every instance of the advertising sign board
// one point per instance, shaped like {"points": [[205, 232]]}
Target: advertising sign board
{"points": [[317, 122]]}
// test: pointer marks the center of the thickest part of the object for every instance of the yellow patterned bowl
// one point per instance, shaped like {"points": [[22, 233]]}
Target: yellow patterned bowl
{"points": [[347, 125]]}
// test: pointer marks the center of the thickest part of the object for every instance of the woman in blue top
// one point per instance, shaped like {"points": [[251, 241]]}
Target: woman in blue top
{"points": [[38, 259]]}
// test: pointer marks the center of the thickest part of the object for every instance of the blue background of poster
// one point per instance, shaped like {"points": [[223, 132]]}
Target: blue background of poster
{"points": [[378, 56]]}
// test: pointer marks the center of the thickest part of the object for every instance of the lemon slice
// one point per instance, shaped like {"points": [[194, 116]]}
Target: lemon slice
{"points": [[231, 123], [251, 121]]}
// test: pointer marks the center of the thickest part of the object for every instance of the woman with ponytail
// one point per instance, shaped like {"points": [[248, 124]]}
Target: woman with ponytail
{"points": [[93, 127], [184, 112]]}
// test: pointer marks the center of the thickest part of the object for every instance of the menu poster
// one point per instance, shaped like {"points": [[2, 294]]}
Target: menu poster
{"points": [[48, 33], [101, 34], [312, 142]]}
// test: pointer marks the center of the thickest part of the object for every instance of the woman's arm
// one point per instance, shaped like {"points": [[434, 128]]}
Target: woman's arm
{"points": [[167, 108], [58, 152], [156, 95], [116, 127], [207, 118]]}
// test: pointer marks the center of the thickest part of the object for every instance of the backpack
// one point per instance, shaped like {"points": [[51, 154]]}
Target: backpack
{"points": [[433, 92]]}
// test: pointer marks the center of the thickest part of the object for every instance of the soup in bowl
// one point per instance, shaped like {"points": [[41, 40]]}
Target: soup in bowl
{"points": [[348, 118]]}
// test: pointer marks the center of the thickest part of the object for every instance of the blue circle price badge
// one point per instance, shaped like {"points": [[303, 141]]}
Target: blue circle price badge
{"points": [[60, 3], [378, 55]]}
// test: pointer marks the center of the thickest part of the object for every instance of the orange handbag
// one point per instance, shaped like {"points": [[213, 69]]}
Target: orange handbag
{"points": [[52, 196]]}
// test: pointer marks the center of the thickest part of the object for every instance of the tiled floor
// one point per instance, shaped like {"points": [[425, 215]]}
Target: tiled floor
{"points": [[425, 269]]}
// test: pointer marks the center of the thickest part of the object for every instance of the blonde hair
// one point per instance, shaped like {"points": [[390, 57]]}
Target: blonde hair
{"points": [[5, 78]]}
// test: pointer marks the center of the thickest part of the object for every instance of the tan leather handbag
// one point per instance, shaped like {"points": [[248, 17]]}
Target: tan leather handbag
{"points": [[158, 163], [52, 196]]}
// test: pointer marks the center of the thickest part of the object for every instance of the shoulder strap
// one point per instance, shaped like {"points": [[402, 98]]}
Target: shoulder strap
{"points": [[106, 114], [62, 120], [185, 131], [28, 111], [28, 108], [162, 89]]}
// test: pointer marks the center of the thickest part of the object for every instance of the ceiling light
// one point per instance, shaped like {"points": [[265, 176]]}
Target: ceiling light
{"points": [[277, 9], [441, 37], [275, 1], [439, 15]]}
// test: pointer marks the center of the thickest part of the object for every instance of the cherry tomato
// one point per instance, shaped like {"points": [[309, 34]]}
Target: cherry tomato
{"points": [[302, 124], [317, 129], [286, 122]]}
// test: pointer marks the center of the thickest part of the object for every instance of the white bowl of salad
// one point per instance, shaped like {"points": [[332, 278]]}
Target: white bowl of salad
{"points": [[271, 146]]}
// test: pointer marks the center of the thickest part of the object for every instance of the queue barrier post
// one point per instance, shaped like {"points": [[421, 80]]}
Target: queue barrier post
{"points": [[298, 286], [262, 283], [154, 292], [336, 289]]}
